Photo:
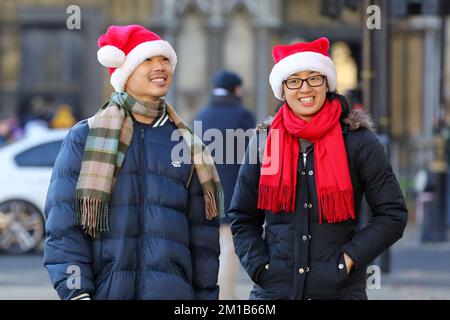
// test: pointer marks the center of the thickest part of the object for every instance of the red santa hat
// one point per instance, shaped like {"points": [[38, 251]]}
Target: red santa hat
{"points": [[299, 57], [124, 48]]}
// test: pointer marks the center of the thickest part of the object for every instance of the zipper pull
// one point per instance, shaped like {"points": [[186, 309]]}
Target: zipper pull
{"points": [[304, 159], [142, 134]]}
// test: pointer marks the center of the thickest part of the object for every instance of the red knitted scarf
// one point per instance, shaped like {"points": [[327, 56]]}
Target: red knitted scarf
{"points": [[277, 184]]}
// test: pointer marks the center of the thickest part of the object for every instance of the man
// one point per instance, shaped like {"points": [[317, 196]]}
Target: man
{"points": [[226, 112], [124, 221]]}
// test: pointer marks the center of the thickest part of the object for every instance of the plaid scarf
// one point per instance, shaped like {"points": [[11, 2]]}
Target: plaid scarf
{"points": [[110, 134]]}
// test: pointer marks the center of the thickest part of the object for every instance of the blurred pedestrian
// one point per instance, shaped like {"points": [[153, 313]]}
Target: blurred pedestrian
{"points": [[316, 164], [124, 217], [10, 130], [226, 112], [38, 114], [4, 131]]}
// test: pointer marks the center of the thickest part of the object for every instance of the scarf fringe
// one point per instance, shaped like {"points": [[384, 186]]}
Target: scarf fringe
{"points": [[214, 201], [92, 215], [283, 200], [335, 205]]}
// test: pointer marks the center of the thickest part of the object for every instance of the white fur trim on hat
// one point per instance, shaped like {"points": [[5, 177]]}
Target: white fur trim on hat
{"points": [[110, 56], [138, 55], [298, 62]]}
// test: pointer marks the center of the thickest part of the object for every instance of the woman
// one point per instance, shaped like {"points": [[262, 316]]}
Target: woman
{"points": [[307, 185]]}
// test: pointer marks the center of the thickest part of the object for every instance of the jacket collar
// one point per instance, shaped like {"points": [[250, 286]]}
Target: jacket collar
{"points": [[357, 119]]}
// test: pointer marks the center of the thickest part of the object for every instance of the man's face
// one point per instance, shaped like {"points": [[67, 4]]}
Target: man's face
{"points": [[151, 79]]}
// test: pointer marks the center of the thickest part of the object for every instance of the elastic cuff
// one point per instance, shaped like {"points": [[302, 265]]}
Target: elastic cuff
{"points": [[83, 296]]}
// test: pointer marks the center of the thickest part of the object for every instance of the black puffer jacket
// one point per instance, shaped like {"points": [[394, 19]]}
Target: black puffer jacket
{"points": [[303, 258]]}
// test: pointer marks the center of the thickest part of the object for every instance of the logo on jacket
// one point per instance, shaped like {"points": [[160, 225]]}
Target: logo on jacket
{"points": [[176, 164]]}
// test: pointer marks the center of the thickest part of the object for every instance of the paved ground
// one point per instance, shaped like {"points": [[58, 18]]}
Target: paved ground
{"points": [[24, 278], [418, 271]]}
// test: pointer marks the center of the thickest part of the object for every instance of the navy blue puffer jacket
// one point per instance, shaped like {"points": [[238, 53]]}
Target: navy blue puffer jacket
{"points": [[159, 244]]}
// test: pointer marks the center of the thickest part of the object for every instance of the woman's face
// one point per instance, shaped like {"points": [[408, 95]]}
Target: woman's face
{"points": [[307, 100]]}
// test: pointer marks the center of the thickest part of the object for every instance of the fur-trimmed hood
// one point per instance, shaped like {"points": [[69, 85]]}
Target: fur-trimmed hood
{"points": [[357, 119]]}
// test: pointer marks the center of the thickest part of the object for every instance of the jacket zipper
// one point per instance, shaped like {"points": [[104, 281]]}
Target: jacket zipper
{"points": [[305, 155], [141, 210]]}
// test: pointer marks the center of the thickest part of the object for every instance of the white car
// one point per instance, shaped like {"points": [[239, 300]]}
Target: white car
{"points": [[25, 172]]}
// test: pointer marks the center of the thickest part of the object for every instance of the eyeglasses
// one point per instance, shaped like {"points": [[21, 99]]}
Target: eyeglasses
{"points": [[297, 83]]}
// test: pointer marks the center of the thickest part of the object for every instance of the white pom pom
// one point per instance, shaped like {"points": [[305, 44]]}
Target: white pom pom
{"points": [[110, 56]]}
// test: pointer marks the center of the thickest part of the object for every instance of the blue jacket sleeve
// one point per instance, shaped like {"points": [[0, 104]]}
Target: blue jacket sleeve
{"points": [[204, 245], [67, 251]]}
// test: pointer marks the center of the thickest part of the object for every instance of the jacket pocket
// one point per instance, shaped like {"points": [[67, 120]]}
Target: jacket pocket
{"points": [[275, 281], [179, 270], [356, 282], [326, 278]]}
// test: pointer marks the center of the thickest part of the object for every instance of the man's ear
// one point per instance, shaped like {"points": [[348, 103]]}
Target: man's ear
{"points": [[237, 91]]}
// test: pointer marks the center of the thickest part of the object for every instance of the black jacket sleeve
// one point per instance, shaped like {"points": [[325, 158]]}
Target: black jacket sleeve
{"points": [[246, 220], [383, 194]]}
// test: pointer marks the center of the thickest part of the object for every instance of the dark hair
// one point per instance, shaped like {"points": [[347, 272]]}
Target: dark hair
{"points": [[344, 103], [331, 95]]}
